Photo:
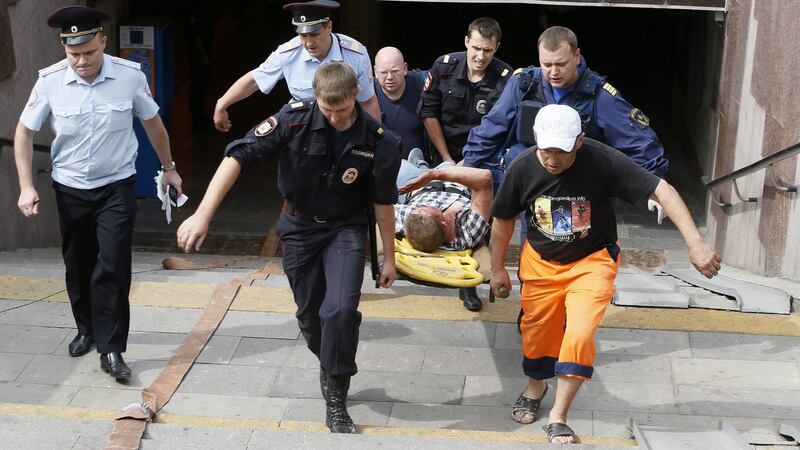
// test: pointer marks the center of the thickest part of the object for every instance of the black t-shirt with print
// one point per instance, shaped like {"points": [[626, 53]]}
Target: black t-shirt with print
{"points": [[570, 216]]}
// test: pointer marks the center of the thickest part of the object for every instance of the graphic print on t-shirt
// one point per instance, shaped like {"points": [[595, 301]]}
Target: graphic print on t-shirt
{"points": [[560, 218]]}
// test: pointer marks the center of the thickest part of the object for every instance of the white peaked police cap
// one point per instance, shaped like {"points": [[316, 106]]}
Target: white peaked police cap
{"points": [[557, 126]]}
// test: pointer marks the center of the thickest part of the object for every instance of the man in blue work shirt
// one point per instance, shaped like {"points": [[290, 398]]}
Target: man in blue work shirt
{"points": [[90, 100], [398, 92], [563, 78], [298, 60]]}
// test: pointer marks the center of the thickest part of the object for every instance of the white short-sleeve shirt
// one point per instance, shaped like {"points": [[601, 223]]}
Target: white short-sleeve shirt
{"points": [[95, 143]]}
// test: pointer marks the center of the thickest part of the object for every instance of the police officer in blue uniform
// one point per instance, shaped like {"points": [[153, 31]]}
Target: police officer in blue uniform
{"points": [[298, 60], [90, 100], [461, 87], [335, 163], [563, 78]]}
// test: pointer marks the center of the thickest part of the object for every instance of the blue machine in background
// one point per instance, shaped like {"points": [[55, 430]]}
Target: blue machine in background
{"points": [[150, 43]]}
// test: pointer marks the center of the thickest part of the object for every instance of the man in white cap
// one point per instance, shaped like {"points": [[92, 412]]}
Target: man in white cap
{"points": [[298, 60], [571, 255]]}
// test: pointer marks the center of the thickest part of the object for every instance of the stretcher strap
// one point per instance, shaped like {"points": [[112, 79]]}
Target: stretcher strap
{"points": [[131, 423]]}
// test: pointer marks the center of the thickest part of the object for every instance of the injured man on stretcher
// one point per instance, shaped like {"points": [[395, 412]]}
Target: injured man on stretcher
{"points": [[444, 208]]}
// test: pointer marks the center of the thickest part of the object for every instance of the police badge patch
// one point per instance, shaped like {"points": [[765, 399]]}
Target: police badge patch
{"points": [[638, 116], [266, 127], [427, 85], [481, 107], [350, 175]]}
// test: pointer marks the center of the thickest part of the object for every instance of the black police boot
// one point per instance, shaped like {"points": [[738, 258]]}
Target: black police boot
{"points": [[336, 417], [470, 298], [323, 383], [113, 364]]}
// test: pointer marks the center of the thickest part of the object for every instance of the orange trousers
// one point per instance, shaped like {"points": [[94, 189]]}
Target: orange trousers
{"points": [[562, 306]]}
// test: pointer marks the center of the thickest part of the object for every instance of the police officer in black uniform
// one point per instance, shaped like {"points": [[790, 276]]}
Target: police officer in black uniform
{"points": [[335, 162], [460, 89]]}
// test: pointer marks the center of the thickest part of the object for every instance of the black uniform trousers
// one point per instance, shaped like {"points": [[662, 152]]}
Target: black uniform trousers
{"points": [[96, 231], [325, 266]]}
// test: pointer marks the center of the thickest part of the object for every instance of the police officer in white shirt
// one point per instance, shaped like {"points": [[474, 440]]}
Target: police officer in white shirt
{"points": [[90, 99], [298, 60]]}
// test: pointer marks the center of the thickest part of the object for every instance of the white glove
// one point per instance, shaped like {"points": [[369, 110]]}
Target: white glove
{"points": [[653, 205], [166, 202]]}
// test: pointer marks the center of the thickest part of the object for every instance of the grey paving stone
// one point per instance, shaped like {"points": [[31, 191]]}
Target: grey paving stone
{"points": [[615, 424], [150, 345], [85, 371], [230, 380], [43, 440], [105, 398], [313, 410], [6, 305], [301, 356], [170, 437], [482, 418], [259, 324], [472, 361], [272, 439], [228, 406], [624, 397], [389, 358], [13, 364], [737, 373], [41, 314], [643, 342], [508, 336], [36, 394], [163, 320], [738, 402], [745, 346], [293, 382], [262, 352], [426, 332], [637, 369], [499, 391], [374, 386], [187, 276], [219, 350], [413, 388], [25, 423]]}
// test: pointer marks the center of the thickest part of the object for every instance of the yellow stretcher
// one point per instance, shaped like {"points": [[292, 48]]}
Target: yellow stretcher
{"points": [[442, 268]]}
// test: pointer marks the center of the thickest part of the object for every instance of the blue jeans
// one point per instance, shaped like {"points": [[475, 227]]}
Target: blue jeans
{"points": [[408, 171]]}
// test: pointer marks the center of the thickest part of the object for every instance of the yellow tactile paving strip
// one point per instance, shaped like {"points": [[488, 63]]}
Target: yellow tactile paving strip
{"points": [[272, 299], [258, 424]]}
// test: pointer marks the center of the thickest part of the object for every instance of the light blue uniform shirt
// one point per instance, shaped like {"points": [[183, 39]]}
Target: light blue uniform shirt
{"points": [[95, 144], [293, 62]]}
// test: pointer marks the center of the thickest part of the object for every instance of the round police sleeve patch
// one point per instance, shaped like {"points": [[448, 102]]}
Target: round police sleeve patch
{"points": [[266, 127]]}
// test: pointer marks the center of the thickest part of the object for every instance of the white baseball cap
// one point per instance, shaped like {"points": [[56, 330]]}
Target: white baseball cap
{"points": [[557, 126]]}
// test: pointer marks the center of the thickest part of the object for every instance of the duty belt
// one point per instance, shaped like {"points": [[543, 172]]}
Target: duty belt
{"points": [[288, 208]]}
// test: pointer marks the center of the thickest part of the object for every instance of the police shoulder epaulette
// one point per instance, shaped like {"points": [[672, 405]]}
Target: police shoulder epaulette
{"points": [[503, 72], [300, 105], [449, 59], [350, 44], [518, 71], [126, 62], [54, 68], [290, 45], [610, 89]]}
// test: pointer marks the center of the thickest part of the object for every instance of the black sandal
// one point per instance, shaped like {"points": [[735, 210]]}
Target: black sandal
{"points": [[527, 406], [557, 429]]}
